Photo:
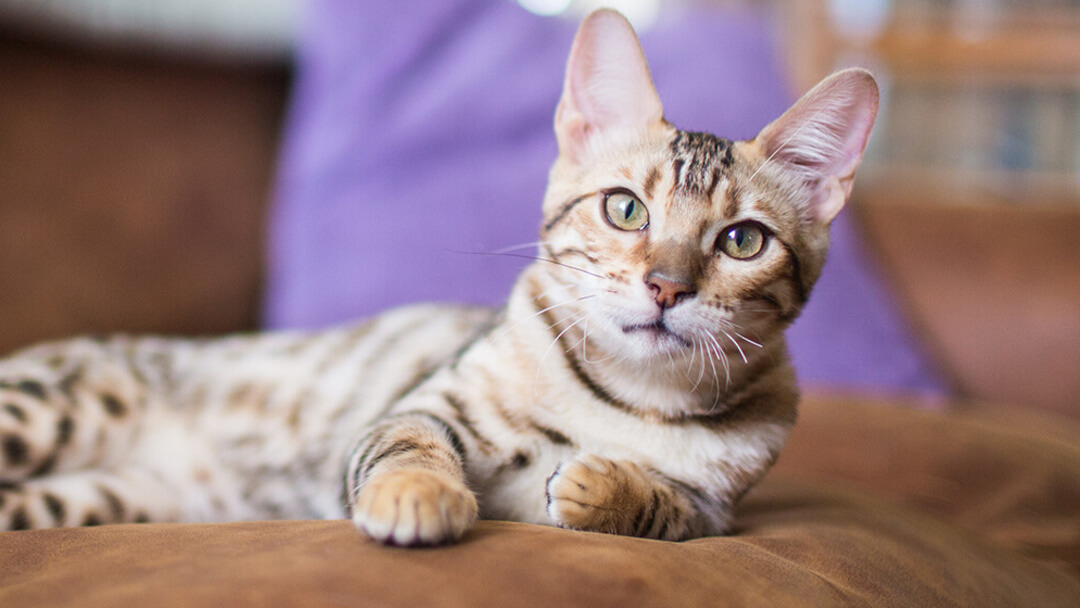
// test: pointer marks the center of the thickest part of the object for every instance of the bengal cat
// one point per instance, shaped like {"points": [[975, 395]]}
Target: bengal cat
{"points": [[636, 382]]}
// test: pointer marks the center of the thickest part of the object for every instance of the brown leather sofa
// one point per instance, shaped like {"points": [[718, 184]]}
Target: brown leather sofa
{"points": [[120, 212]]}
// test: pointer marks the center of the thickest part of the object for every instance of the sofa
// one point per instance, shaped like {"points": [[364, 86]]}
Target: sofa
{"points": [[946, 475]]}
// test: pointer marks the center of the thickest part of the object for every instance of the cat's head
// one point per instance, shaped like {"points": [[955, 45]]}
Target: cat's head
{"points": [[679, 236]]}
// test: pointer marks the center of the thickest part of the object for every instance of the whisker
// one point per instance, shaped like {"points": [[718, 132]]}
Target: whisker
{"points": [[737, 347], [723, 360], [565, 287], [585, 348], [716, 377], [528, 257], [701, 364], [737, 330], [748, 340], [520, 246], [540, 366], [537, 314], [585, 342], [693, 354]]}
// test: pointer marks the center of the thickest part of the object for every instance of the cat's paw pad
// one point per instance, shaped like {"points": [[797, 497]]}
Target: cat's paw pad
{"points": [[597, 494], [414, 507]]}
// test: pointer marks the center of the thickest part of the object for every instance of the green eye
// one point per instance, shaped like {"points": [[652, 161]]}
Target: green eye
{"points": [[625, 211], [742, 241]]}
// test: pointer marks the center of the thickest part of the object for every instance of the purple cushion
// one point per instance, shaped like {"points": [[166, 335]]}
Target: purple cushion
{"points": [[419, 140]]}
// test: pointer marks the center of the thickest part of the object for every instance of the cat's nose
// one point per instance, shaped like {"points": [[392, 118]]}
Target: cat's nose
{"points": [[666, 290]]}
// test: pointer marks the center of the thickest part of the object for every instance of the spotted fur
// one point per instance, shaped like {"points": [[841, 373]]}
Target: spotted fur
{"points": [[636, 382]]}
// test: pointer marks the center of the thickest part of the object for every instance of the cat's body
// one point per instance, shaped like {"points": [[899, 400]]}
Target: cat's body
{"points": [[249, 427], [636, 382]]}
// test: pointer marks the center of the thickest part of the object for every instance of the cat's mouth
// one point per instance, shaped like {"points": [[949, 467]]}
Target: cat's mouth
{"points": [[658, 330]]}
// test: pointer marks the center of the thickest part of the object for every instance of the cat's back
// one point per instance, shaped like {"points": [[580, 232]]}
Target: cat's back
{"points": [[365, 363], [295, 372]]}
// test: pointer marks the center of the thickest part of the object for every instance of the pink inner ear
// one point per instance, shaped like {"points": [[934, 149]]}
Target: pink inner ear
{"points": [[607, 83], [822, 137]]}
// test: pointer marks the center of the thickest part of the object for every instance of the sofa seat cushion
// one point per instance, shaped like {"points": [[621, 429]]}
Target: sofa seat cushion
{"points": [[869, 505]]}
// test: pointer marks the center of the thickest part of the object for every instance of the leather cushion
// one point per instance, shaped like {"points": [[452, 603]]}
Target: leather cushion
{"points": [[870, 505]]}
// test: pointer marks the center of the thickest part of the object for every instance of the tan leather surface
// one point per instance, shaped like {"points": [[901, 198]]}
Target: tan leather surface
{"points": [[994, 290], [1009, 475], [870, 506]]}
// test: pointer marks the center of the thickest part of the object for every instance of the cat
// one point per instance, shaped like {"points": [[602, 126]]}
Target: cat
{"points": [[636, 382]]}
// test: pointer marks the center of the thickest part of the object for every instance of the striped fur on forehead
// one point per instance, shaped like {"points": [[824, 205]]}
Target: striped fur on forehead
{"points": [[699, 161]]}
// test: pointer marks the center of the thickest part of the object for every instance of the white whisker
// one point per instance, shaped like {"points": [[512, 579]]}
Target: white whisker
{"points": [[701, 364], [716, 377], [690, 364], [737, 347], [540, 366], [723, 360], [585, 348], [748, 340], [519, 247], [537, 314]]}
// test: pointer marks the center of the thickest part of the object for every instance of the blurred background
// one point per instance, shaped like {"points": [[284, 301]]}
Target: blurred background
{"points": [[139, 141]]}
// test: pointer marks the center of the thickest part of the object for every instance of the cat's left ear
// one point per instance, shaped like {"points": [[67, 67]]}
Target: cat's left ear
{"points": [[822, 137], [607, 86]]}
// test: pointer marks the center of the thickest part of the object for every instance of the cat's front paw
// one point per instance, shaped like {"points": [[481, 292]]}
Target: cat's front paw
{"points": [[414, 507], [597, 494]]}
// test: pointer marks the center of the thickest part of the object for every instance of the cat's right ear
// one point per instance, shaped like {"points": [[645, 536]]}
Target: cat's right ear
{"points": [[821, 138], [607, 86]]}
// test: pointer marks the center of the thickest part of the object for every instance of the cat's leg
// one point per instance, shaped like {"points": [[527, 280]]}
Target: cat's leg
{"points": [[87, 498], [594, 493], [406, 483], [70, 414], [65, 412]]}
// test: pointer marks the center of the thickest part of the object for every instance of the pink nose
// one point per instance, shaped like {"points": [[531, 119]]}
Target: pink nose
{"points": [[667, 291]]}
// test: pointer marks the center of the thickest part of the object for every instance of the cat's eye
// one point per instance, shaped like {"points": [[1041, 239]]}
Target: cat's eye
{"points": [[625, 211], [742, 241]]}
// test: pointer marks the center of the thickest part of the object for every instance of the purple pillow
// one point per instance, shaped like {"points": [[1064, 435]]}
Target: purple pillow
{"points": [[419, 140]]}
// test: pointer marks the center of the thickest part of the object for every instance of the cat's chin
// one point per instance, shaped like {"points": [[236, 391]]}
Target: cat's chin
{"points": [[655, 339]]}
